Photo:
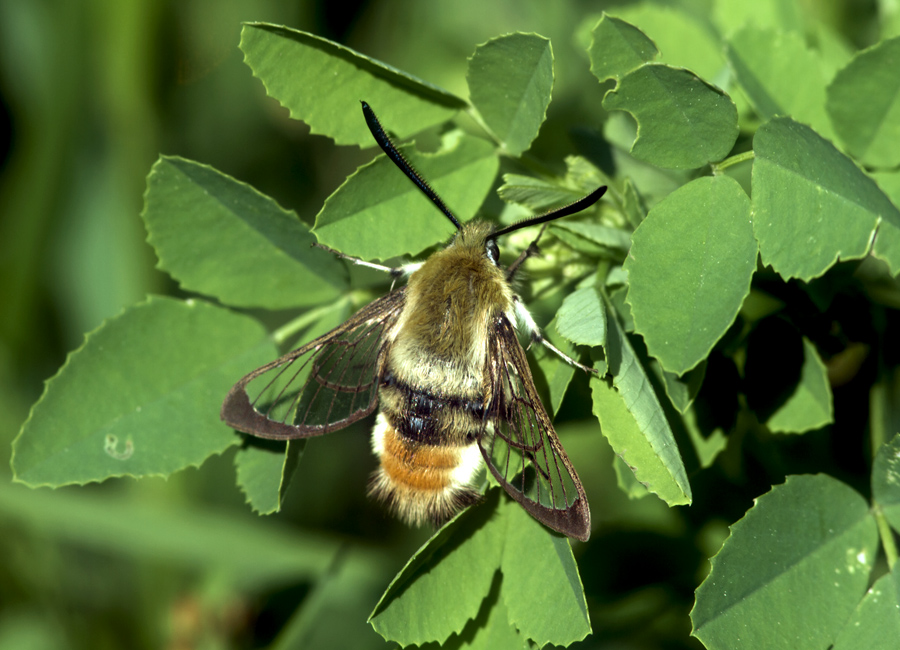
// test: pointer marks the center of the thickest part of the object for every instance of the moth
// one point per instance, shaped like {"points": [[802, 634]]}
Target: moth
{"points": [[441, 361]]}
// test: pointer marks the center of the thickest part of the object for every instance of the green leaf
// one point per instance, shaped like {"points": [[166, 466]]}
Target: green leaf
{"points": [[779, 75], [886, 481], [265, 467], [379, 213], [540, 590], [681, 39], [582, 317], [541, 586], [299, 70], [784, 15], [142, 396], [466, 552], [542, 193], [510, 79], [627, 481], [534, 193], [220, 237], [557, 372], [810, 405], [707, 444], [683, 122], [617, 48], [819, 539], [606, 240], [633, 421], [682, 389], [490, 630], [264, 472], [689, 270], [813, 206], [875, 623], [864, 105]]}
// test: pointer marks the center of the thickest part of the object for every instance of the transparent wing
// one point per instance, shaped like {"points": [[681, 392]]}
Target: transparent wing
{"points": [[322, 386], [521, 448]]}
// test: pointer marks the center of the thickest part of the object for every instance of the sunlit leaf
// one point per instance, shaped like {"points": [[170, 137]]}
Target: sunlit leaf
{"points": [[633, 421], [813, 206], [142, 396], [689, 270], [541, 586], [875, 623], [683, 122], [582, 317], [864, 104], [466, 552], [220, 237], [617, 47], [510, 79], [779, 75], [379, 213], [299, 70]]}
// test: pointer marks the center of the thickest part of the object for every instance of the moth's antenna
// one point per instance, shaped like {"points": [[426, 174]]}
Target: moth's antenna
{"points": [[394, 154], [564, 211]]}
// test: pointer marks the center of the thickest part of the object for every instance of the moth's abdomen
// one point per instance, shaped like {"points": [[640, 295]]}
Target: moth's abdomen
{"points": [[422, 482]]}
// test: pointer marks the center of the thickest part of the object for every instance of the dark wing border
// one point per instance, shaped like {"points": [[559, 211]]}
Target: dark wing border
{"points": [[516, 418], [379, 316]]}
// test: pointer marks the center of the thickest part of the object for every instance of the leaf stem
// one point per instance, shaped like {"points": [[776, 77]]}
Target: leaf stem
{"points": [[888, 542], [878, 406], [719, 167]]}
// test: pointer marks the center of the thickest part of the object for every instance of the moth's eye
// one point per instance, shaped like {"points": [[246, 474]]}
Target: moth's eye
{"points": [[492, 251]]}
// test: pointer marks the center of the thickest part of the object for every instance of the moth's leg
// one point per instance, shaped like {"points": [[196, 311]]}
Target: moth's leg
{"points": [[534, 332], [394, 272], [531, 251]]}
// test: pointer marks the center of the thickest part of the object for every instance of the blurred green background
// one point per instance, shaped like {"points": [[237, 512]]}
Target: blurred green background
{"points": [[92, 92]]}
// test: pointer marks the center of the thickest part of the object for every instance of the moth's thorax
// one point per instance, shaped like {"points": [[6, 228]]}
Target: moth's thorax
{"points": [[451, 302]]}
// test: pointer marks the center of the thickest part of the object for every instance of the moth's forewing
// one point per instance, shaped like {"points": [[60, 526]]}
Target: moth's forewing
{"points": [[322, 386], [520, 446]]}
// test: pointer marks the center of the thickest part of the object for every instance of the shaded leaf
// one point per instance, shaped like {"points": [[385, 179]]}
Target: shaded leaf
{"points": [[810, 406], [264, 472]]}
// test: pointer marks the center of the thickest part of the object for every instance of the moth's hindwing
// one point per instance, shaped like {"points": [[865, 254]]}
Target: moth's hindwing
{"points": [[521, 448], [322, 386]]}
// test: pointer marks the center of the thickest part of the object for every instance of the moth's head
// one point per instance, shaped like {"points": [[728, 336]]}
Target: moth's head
{"points": [[477, 238]]}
